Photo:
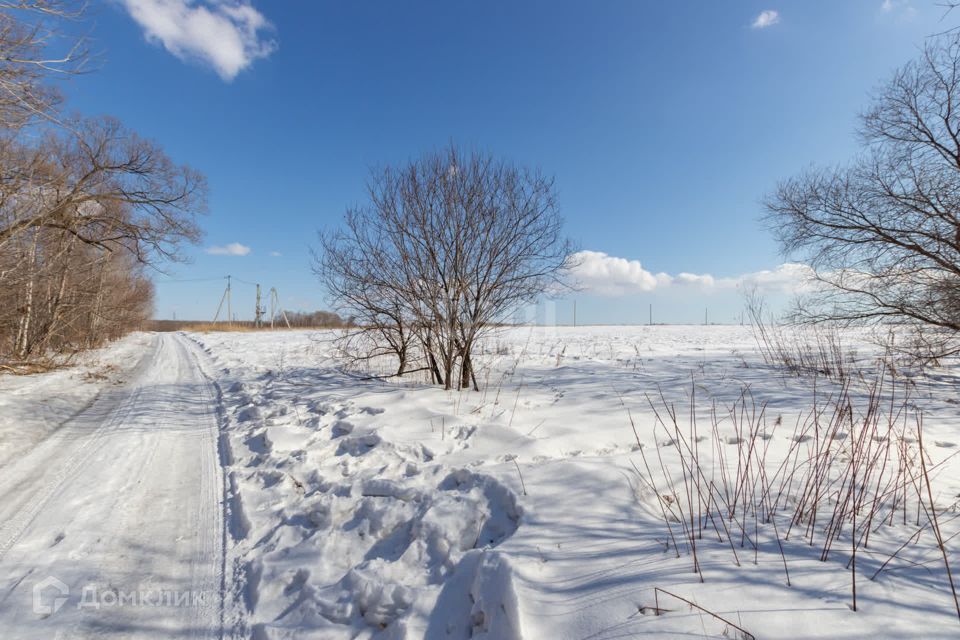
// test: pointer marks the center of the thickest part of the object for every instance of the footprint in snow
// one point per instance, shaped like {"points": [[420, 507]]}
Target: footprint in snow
{"points": [[358, 446], [341, 428], [464, 433], [249, 414]]}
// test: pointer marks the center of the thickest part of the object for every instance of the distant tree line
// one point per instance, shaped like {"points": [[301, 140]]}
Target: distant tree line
{"points": [[447, 247], [86, 205], [308, 319], [297, 319]]}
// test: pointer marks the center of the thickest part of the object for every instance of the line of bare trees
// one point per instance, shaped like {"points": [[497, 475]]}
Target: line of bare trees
{"points": [[309, 319], [449, 246], [86, 205]]}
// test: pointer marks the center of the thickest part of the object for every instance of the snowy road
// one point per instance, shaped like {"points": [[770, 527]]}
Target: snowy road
{"points": [[111, 527]]}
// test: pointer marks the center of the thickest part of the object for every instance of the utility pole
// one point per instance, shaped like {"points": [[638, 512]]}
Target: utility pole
{"points": [[275, 298], [258, 310], [574, 313], [229, 310], [651, 314], [705, 316], [223, 298]]}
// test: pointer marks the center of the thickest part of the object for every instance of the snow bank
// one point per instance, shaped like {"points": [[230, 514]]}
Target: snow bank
{"points": [[34, 406]]}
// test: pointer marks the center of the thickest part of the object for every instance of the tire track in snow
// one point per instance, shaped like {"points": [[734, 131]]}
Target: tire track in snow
{"points": [[37, 498], [130, 493], [230, 586]]}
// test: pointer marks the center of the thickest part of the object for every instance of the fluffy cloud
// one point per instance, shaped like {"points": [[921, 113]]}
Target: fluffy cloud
{"points": [[766, 19], [601, 274], [789, 277], [227, 35], [902, 9], [232, 249]]}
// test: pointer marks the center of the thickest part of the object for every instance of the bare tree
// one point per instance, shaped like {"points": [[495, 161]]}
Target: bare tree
{"points": [[883, 233], [359, 273], [86, 205], [78, 211], [108, 187], [66, 296], [448, 247], [34, 50]]}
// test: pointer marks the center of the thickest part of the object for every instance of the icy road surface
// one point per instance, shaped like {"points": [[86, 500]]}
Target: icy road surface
{"points": [[111, 526]]}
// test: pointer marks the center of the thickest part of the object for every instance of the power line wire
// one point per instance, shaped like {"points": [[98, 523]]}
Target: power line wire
{"points": [[235, 279], [179, 280]]}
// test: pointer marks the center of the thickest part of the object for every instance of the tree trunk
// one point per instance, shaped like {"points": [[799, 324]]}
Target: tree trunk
{"points": [[402, 357], [97, 307], [435, 368], [55, 310], [21, 346], [465, 368]]}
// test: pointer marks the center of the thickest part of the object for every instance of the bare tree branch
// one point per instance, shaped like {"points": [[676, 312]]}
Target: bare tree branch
{"points": [[884, 231]]}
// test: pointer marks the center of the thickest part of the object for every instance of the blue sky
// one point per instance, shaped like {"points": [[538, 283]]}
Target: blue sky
{"points": [[664, 123]]}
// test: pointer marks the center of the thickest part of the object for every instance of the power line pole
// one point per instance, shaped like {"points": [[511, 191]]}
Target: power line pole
{"points": [[258, 310], [574, 313], [651, 314], [223, 298], [275, 298], [229, 309]]}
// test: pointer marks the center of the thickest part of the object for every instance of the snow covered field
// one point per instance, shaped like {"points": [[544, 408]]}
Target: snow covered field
{"points": [[559, 502], [363, 508]]}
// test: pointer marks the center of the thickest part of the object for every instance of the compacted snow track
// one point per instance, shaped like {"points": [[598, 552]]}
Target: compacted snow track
{"points": [[112, 526]]}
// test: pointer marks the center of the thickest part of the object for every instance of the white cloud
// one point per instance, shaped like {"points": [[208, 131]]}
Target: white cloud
{"points": [[232, 249], [227, 35], [903, 10], [766, 19], [601, 274], [275, 254], [790, 277]]}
